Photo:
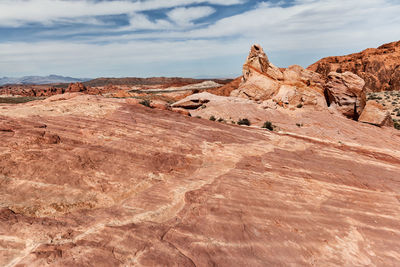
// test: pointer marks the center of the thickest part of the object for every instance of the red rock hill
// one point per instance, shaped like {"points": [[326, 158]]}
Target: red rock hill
{"points": [[379, 67]]}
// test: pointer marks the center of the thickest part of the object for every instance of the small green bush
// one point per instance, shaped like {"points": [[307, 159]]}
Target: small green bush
{"points": [[300, 105], [397, 125], [299, 125], [268, 125], [212, 118], [244, 122], [221, 120]]}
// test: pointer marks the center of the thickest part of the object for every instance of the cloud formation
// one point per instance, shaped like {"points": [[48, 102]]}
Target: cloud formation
{"points": [[183, 37]]}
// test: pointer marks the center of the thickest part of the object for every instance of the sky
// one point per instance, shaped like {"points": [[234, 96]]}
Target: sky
{"points": [[185, 38]]}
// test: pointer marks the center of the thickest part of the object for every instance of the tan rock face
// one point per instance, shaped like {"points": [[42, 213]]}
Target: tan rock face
{"points": [[345, 91], [263, 81], [90, 181], [380, 67], [257, 62], [374, 113]]}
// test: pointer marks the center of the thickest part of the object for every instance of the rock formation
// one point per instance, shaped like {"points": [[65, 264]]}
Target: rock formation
{"points": [[374, 113], [294, 86], [380, 67], [346, 92], [87, 180], [76, 87]]}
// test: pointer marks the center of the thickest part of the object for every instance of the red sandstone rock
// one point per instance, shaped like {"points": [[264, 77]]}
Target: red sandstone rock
{"points": [[227, 89], [380, 67], [345, 91], [133, 101], [96, 181], [181, 111], [294, 86], [121, 94], [374, 113], [76, 87], [159, 104]]}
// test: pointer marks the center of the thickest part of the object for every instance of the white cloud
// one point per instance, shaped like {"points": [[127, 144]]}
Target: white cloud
{"points": [[310, 27], [15, 13], [184, 16], [142, 22]]}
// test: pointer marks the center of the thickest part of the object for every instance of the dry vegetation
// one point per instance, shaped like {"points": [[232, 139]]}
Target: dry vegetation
{"points": [[391, 101]]}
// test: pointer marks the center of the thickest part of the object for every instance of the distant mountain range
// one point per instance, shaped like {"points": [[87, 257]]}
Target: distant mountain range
{"points": [[40, 80]]}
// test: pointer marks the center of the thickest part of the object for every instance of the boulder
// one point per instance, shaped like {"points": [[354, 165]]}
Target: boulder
{"points": [[345, 92], [159, 104], [194, 101], [375, 114]]}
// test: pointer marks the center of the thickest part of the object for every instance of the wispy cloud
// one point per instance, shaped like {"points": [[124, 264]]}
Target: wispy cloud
{"points": [[19, 12], [184, 37], [184, 16]]}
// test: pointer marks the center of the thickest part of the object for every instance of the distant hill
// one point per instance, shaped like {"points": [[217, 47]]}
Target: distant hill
{"points": [[167, 81], [40, 80]]}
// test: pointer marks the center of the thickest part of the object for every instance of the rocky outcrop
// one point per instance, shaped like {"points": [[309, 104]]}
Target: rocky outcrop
{"points": [[76, 87], [293, 86], [375, 114], [46, 90], [345, 92], [380, 67]]}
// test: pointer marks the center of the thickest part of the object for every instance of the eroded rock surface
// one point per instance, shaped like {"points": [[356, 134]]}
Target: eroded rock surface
{"points": [[293, 86], [346, 92], [376, 114], [380, 67], [107, 182]]}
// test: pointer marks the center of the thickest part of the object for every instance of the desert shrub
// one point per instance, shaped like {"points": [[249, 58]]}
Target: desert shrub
{"points": [[221, 120], [244, 122], [398, 114], [300, 105], [299, 125], [397, 125], [212, 118], [145, 103], [268, 125]]}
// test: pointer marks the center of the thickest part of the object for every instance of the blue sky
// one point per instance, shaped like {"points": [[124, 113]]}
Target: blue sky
{"points": [[191, 38]]}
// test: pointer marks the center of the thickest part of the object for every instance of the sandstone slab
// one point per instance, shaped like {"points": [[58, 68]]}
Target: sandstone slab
{"points": [[95, 181], [374, 113]]}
